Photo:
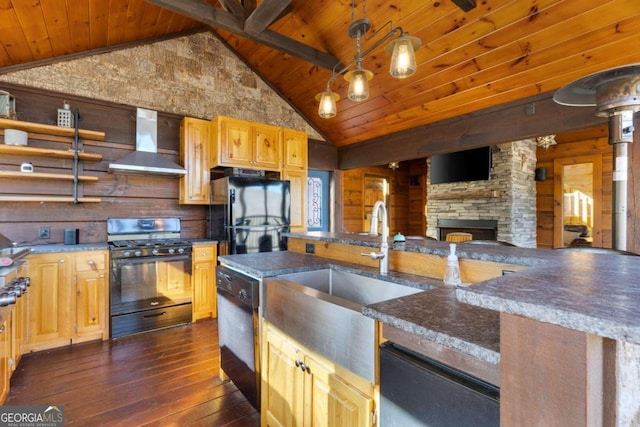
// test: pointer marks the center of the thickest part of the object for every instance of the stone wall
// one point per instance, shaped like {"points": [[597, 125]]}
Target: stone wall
{"points": [[513, 204], [194, 75]]}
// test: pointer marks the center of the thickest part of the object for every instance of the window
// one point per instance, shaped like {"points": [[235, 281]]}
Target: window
{"points": [[318, 200]]}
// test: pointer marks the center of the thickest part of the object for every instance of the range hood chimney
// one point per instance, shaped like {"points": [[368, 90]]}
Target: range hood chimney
{"points": [[146, 160]]}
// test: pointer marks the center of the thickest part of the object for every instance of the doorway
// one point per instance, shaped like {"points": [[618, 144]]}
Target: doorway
{"points": [[376, 187], [578, 201]]}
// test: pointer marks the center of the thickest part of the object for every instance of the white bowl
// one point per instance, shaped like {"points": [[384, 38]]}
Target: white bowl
{"points": [[15, 137]]}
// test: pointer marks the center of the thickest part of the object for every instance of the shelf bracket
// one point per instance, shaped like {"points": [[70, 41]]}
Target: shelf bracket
{"points": [[76, 150]]}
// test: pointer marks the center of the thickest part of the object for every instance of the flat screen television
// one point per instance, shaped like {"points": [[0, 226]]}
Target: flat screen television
{"points": [[461, 166]]}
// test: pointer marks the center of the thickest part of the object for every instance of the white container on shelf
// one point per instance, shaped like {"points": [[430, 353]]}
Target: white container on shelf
{"points": [[15, 137]]}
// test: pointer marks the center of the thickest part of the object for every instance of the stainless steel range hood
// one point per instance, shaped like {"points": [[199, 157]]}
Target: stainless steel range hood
{"points": [[146, 160]]}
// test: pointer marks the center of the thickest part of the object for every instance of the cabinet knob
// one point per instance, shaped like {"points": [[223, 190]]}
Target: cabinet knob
{"points": [[92, 264], [62, 260], [301, 365]]}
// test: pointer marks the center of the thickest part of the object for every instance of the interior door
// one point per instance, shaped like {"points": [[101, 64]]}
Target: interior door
{"points": [[376, 187], [578, 202]]}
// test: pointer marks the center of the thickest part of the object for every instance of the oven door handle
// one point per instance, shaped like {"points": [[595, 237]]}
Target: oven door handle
{"points": [[149, 259]]}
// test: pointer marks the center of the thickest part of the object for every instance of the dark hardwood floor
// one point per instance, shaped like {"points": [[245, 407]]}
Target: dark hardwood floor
{"points": [[162, 378]]}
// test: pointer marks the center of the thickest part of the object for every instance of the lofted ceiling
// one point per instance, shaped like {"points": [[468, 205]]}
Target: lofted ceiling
{"points": [[475, 54]]}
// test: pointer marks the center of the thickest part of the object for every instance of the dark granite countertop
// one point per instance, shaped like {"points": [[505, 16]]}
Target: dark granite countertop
{"points": [[504, 254], [60, 247], [435, 314], [594, 293]]}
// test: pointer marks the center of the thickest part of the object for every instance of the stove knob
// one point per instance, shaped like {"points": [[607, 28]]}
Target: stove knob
{"points": [[171, 250], [126, 253], [242, 294], [180, 250], [155, 251], [137, 252]]}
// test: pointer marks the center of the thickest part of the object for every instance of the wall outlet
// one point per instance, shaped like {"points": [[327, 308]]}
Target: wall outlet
{"points": [[310, 248], [44, 233]]}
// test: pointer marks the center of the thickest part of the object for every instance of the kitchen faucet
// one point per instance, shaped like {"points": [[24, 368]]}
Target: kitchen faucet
{"points": [[383, 255]]}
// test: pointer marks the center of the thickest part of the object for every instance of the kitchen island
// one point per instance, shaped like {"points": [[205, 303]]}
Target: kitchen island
{"points": [[591, 295]]}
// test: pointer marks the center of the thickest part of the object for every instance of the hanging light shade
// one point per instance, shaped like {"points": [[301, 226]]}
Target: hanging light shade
{"points": [[358, 83], [327, 104], [403, 58]]}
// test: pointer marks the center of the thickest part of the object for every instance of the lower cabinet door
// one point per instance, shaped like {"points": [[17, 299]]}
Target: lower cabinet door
{"points": [[91, 304], [302, 389], [283, 391], [49, 296], [334, 402]]}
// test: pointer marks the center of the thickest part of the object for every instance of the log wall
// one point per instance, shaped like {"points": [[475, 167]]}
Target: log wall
{"points": [[122, 195]]}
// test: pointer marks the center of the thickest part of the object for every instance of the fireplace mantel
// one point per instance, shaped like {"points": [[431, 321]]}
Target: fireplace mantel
{"points": [[467, 195]]}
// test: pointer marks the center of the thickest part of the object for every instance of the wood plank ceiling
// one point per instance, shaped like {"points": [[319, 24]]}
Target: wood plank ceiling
{"points": [[496, 52]]}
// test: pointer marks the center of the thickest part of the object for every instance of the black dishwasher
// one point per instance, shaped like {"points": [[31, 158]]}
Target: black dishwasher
{"points": [[418, 391]]}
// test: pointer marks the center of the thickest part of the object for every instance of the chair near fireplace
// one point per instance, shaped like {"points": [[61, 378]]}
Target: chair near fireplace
{"points": [[457, 237]]}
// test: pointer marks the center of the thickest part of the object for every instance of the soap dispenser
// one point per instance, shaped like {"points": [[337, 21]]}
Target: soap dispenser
{"points": [[452, 273]]}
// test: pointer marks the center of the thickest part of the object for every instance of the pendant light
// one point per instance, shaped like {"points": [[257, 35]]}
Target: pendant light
{"points": [[403, 61], [327, 103], [358, 83], [403, 58]]}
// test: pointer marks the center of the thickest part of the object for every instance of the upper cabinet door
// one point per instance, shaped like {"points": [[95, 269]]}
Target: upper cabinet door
{"points": [[195, 142], [294, 146], [266, 146], [235, 144]]}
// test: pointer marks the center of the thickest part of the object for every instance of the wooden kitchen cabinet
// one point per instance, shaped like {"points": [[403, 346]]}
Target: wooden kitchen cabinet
{"points": [[294, 169], [91, 300], [203, 281], [298, 186], [300, 388], [68, 299], [5, 352], [195, 148], [295, 150], [244, 144], [49, 301]]}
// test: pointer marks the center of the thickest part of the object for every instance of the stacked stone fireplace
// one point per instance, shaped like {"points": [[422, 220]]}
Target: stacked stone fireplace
{"points": [[501, 208]]}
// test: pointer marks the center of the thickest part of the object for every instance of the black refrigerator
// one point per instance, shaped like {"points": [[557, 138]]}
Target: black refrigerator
{"points": [[250, 214]]}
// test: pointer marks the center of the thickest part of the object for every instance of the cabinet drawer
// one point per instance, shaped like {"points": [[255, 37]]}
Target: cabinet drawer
{"points": [[93, 260], [204, 252]]}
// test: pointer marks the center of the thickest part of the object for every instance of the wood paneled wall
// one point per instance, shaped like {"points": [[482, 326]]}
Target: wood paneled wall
{"points": [[122, 195], [350, 185], [571, 145]]}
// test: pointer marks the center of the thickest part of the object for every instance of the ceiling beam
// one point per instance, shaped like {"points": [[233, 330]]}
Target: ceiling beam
{"points": [[234, 7], [265, 15], [482, 128], [218, 18], [465, 5]]}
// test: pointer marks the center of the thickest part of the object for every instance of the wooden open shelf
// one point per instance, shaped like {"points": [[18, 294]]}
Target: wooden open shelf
{"points": [[51, 129], [48, 199], [40, 175], [47, 152]]}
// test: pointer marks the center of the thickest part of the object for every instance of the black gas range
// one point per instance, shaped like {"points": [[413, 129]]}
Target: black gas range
{"points": [[150, 282]]}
